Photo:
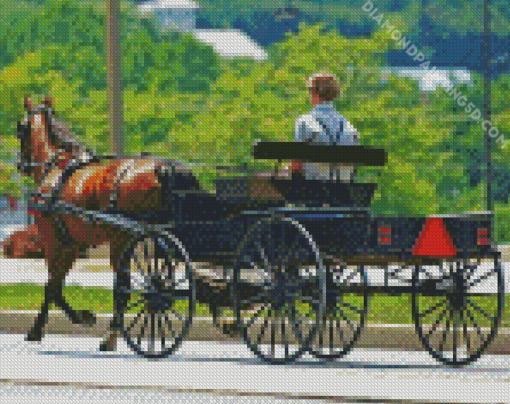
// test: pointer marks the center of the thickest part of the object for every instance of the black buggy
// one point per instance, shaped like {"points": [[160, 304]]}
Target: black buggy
{"points": [[282, 263]]}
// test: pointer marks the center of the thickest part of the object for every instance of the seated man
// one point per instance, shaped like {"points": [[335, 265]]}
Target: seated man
{"points": [[325, 125]]}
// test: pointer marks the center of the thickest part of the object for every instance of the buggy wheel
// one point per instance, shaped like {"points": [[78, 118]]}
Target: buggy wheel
{"points": [[279, 289], [457, 309], [155, 295], [346, 311]]}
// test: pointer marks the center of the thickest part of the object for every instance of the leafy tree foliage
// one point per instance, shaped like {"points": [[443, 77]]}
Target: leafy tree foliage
{"points": [[181, 102]]}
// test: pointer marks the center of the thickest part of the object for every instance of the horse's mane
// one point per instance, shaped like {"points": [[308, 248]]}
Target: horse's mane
{"points": [[62, 136]]}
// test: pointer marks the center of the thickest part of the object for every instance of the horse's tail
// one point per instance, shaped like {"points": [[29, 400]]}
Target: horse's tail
{"points": [[176, 176]]}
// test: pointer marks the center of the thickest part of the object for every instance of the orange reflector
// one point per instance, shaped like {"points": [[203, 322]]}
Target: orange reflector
{"points": [[434, 240]]}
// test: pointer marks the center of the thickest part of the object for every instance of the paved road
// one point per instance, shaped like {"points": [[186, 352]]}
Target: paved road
{"points": [[231, 368], [81, 394]]}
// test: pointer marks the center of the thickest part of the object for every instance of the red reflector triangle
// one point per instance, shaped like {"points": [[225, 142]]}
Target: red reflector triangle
{"points": [[434, 240]]}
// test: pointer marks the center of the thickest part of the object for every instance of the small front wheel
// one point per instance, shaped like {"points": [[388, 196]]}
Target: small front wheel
{"points": [[156, 295]]}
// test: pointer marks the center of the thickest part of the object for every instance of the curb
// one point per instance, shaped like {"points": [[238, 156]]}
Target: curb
{"points": [[98, 259], [388, 336], [505, 253]]}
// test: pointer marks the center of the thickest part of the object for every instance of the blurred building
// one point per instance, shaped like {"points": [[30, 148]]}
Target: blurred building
{"points": [[181, 15], [172, 14]]}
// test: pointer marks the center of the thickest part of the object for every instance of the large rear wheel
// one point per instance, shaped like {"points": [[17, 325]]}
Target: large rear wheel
{"points": [[346, 310], [457, 307], [279, 289]]}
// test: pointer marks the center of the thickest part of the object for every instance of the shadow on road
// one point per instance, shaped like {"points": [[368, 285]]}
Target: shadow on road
{"points": [[303, 363]]}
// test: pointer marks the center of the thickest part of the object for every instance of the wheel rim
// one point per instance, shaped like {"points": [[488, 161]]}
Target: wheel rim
{"points": [[156, 298], [457, 310], [279, 290], [346, 311]]}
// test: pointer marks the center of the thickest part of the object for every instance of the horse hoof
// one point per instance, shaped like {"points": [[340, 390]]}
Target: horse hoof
{"points": [[105, 346], [33, 336], [230, 329]]}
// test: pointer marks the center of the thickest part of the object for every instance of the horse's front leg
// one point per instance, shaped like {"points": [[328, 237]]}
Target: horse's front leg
{"points": [[35, 333], [59, 264]]}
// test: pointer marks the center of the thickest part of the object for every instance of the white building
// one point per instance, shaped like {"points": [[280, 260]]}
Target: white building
{"points": [[429, 80], [173, 14], [181, 15], [231, 43]]}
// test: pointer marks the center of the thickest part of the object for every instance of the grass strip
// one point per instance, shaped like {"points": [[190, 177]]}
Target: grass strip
{"points": [[384, 309]]}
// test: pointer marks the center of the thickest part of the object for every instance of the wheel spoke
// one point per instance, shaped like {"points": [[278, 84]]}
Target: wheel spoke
{"points": [[445, 332], [352, 307], [160, 326], [136, 303], [179, 316], [478, 329], [437, 322], [135, 320], [284, 339], [475, 306], [351, 326], [455, 323], [168, 321], [430, 310], [267, 265], [465, 332], [321, 335], [491, 272], [470, 271], [263, 331], [153, 332], [252, 321], [295, 324], [147, 254], [139, 336], [341, 330], [331, 328], [426, 272], [273, 342]]}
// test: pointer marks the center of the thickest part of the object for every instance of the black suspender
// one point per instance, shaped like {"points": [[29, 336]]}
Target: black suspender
{"points": [[338, 134]]}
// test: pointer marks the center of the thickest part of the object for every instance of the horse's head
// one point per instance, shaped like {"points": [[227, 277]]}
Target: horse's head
{"points": [[35, 120]]}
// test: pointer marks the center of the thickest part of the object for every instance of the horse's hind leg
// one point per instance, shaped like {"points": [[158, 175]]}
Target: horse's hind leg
{"points": [[117, 249]]}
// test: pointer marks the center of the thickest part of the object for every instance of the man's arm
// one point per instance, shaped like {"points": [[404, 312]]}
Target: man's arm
{"points": [[351, 135]]}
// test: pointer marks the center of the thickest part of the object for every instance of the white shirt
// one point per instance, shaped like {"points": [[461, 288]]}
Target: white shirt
{"points": [[309, 129]]}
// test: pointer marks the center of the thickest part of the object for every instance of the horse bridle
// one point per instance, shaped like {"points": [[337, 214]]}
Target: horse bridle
{"points": [[25, 164]]}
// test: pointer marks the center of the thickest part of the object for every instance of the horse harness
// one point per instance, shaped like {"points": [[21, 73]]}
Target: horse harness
{"points": [[46, 202]]}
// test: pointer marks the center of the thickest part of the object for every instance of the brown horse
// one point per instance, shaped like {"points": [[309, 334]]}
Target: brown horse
{"points": [[64, 168]]}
